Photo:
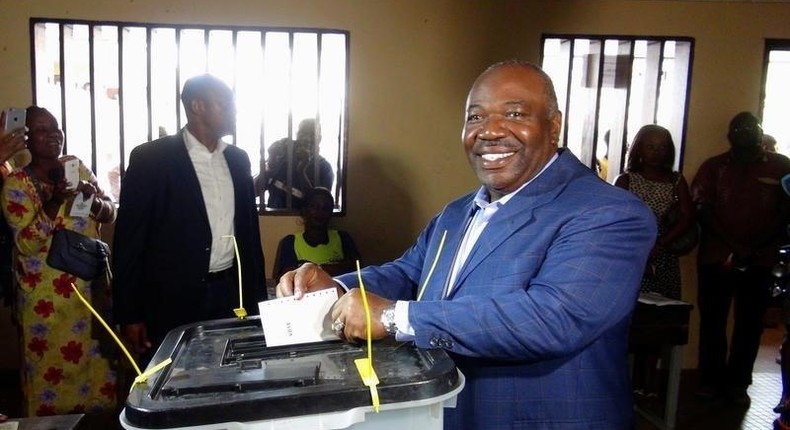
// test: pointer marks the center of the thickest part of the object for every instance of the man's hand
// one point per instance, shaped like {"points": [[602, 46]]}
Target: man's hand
{"points": [[136, 336], [305, 279], [350, 310]]}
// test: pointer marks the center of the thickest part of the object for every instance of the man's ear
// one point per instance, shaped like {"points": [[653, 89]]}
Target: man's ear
{"points": [[196, 106], [556, 127]]}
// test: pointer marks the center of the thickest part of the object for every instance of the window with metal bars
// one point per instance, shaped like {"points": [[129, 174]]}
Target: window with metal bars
{"points": [[775, 103], [115, 85], [610, 86]]}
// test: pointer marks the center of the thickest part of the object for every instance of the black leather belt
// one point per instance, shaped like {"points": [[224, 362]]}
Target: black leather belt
{"points": [[222, 274]]}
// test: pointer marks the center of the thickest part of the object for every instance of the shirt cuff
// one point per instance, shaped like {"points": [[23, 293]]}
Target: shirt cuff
{"points": [[405, 330], [342, 285]]}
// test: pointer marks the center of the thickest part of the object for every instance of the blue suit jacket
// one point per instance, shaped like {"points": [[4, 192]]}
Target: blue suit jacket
{"points": [[162, 239], [538, 318]]}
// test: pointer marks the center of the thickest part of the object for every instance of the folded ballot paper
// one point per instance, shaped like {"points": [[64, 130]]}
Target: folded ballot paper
{"points": [[288, 321], [659, 300]]}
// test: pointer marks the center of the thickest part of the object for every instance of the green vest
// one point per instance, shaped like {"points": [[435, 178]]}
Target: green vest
{"points": [[321, 254]]}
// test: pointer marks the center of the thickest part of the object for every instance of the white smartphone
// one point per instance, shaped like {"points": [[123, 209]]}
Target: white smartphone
{"points": [[14, 118], [71, 170]]}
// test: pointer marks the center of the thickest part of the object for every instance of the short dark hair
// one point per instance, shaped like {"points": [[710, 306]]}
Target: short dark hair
{"points": [[318, 192], [745, 116], [34, 110], [548, 86], [634, 163], [197, 87]]}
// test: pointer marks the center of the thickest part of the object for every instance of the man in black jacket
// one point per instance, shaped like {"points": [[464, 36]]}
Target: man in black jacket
{"points": [[183, 200]]}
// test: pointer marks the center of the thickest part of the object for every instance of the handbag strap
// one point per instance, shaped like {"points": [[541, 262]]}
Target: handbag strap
{"points": [[36, 182], [676, 184], [107, 270]]}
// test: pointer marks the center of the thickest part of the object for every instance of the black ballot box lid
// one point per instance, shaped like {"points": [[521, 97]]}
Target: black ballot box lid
{"points": [[659, 320], [223, 371]]}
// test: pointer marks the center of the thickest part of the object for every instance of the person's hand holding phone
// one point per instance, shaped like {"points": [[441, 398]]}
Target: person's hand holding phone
{"points": [[12, 138], [59, 194], [60, 190]]}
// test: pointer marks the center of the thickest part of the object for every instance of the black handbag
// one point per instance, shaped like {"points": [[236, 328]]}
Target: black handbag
{"points": [[77, 254], [686, 242]]}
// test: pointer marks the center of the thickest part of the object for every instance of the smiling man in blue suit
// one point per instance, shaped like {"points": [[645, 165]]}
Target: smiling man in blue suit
{"points": [[537, 273]]}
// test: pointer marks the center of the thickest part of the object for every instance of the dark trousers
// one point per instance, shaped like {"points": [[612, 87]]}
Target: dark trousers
{"points": [[214, 297], [748, 291], [221, 295]]}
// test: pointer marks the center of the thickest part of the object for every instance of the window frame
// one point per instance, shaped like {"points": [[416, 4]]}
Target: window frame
{"points": [[623, 143], [770, 46], [341, 164]]}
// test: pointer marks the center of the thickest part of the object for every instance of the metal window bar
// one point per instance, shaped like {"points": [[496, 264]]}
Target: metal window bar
{"points": [[62, 55], [568, 88], [92, 98], [659, 79], [571, 41], [121, 109], [597, 108], [122, 71], [624, 135]]}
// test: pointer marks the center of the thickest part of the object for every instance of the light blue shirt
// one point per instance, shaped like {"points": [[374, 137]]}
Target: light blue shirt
{"points": [[485, 210]]}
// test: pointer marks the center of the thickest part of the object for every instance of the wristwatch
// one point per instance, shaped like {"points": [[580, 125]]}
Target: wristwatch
{"points": [[388, 320]]}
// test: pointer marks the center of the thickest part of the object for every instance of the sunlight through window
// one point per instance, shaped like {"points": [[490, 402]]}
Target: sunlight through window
{"points": [[115, 86], [609, 87]]}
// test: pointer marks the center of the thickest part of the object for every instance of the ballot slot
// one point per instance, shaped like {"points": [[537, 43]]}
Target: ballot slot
{"points": [[254, 347]]}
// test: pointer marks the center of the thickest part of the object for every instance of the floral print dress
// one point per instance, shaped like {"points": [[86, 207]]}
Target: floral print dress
{"points": [[62, 369]]}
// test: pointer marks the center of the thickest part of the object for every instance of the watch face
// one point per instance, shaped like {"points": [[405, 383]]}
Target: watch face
{"points": [[388, 320]]}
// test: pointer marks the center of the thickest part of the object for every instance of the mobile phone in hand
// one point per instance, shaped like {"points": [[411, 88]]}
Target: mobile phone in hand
{"points": [[14, 118], [71, 170]]}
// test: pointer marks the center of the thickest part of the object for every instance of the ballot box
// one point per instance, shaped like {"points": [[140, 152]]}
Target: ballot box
{"points": [[223, 376]]}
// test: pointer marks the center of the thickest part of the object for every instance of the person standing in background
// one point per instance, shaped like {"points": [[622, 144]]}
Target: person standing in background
{"points": [[743, 215], [650, 176], [11, 142], [296, 166], [768, 143], [182, 198], [334, 250], [63, 370]]}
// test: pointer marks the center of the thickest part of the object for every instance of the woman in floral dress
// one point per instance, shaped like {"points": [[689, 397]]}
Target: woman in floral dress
{"points": [[62, 369]]}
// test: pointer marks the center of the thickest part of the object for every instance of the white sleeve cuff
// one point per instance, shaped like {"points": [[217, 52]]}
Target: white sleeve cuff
{"points": [[342, 285], [405, 330]]}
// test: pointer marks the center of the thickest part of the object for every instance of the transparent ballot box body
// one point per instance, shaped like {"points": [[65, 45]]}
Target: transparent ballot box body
{"points": [[223, 376]]}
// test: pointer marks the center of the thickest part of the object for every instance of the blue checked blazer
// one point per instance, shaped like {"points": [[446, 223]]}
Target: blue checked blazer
{"points": [[538, 317]]}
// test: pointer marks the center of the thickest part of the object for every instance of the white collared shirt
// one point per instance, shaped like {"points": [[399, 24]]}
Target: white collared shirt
{"points": [[216, 185]]}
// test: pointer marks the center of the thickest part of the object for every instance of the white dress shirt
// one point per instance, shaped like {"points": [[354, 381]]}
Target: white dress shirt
{"points": [[216, 185]]}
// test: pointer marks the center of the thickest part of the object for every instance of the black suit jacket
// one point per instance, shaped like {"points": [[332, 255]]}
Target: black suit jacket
{"points": [[162, 240]]}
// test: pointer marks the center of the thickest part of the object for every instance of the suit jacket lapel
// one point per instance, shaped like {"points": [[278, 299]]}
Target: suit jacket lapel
{"points": [[455, 223], [515, 215], [237, 178], [185, 171]]}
